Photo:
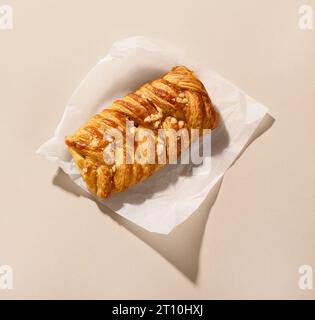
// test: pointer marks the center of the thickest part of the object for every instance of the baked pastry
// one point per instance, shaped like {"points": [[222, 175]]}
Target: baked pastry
{"points": [[176, 102]]}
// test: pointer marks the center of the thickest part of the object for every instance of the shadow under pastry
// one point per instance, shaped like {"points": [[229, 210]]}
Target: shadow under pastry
{"points": [[182, 246]]}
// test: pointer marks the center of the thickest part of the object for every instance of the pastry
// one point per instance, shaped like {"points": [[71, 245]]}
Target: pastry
{"points": [[176, 102]]}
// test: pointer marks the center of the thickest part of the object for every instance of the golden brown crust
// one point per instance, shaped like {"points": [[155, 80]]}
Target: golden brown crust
{"points": [[175, 101]]}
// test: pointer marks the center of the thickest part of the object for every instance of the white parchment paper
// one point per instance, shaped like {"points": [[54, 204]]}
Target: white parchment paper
{"points": [[171, 195]]}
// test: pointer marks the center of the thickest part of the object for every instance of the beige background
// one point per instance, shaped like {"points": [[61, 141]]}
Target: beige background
{"points": [[260, 228]]}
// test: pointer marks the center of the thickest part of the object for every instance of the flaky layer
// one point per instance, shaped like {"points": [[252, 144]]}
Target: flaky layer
{"points": [[175, 101]]}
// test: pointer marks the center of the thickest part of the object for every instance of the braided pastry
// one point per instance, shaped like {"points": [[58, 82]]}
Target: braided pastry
{"points": [[174, 102]]}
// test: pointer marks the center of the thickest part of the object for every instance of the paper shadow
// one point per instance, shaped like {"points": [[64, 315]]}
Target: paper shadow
{"points": [[182, 246]]}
